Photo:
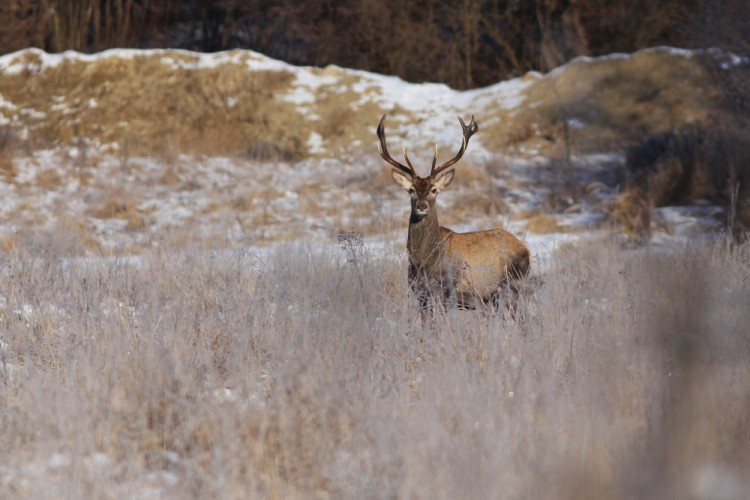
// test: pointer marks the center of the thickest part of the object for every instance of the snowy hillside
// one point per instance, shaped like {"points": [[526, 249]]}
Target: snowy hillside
{"points": [[232, 102], [128, 149]]}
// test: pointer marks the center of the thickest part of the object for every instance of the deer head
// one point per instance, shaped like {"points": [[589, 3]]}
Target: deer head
{"points": [[424, 190]]}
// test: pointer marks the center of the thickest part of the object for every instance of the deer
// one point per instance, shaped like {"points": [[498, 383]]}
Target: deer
{"points": [[468, 270]]}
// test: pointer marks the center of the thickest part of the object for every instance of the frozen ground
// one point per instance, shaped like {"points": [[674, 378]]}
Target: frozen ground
{"points": [[108, 205], [179, 324]]}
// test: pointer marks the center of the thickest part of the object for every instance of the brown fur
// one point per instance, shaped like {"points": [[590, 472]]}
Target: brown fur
{"points": [[465, 269]]}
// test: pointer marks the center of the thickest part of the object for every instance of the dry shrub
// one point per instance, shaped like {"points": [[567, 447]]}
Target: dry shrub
{"points": [[632, 213], [521, 134], [472, 175], [693, 164], [116, 208], [488, 40], [379, 179], [336, 122], [479, 193], [49, 179], [267, 151], [8, 242], [541, 223], [616, 99], [73, 236]]}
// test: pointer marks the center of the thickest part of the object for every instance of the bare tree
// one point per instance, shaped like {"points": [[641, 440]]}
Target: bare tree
{"points": [[465, 44]]}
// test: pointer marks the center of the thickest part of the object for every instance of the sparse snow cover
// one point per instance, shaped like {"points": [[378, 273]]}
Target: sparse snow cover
{"points": [[576, 123], [315, 143], [730, 60], [6, 104], [205, 192], [386, 92], [15, 63], [266, 206], [684, 224], [543, 248], [433, 106], [508, 94]]}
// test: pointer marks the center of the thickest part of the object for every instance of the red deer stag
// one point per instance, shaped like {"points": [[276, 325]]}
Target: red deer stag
{"points": [[461, 269]]}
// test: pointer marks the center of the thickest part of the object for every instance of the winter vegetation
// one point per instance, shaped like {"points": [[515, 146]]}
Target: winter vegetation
{"points": [[126, 147], [466, 44], [306, 372], [203, 268]]}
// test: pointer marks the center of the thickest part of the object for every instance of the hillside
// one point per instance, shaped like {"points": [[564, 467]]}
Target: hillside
{"points": [[242, 103], [127, 146]]}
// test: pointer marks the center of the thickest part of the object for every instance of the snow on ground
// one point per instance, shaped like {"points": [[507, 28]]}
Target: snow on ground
{"points": [[122, 204], [433, 107], [115, 206]]}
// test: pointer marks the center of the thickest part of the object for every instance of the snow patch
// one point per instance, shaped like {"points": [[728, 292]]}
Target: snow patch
{"points": [[315, 143]]}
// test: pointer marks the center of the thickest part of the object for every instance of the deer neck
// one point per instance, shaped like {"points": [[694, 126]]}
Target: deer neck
{"points": [[424, 242]]}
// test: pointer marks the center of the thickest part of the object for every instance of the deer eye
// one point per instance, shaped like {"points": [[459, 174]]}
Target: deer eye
{"points": [[434, 191], [411, 191]]}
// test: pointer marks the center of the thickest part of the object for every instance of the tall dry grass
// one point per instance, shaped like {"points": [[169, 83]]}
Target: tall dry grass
{"points": [[306, 372]]}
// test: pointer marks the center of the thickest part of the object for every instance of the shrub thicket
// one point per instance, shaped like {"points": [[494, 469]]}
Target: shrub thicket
{"points": [[690, 165], [464, 44]]}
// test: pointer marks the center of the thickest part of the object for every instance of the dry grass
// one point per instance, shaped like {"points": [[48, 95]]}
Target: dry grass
{"points": [[306, 372], [632, 213], [618, 99], [156, 102], [541, 223], [146, 105], [7, 168]]}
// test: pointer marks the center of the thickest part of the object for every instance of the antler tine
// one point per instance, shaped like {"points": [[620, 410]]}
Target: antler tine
{"points": [[434, 159], [383, 150], [468, 131], [406, 157]]}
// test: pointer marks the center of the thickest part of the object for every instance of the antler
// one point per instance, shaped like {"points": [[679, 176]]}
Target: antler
{"points": [[387, 157], [469, 130]]}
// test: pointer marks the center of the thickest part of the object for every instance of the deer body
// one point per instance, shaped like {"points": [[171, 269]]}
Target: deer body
{"points": [[462, 269]]}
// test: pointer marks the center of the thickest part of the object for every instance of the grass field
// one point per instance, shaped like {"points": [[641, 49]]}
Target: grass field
{"points": [[306, 372], [203, 286]]}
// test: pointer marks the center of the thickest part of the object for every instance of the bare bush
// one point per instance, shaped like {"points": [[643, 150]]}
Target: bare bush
{"points": [[692, 164], [721, 23], [464, 44]]}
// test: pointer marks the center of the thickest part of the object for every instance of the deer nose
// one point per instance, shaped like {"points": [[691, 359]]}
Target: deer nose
{"points": [[422, 206]]}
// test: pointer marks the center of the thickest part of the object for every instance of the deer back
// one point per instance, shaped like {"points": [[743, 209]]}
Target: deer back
{"points": [[482, 261]]}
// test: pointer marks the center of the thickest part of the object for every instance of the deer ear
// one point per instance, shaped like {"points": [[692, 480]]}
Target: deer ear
{"points": [[442, 182], [402, 180]]}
